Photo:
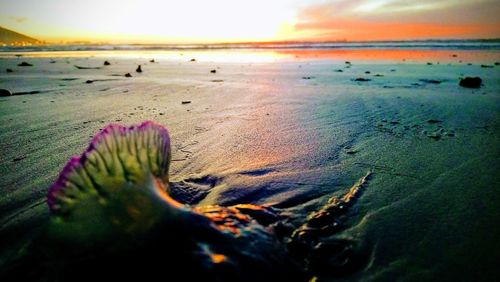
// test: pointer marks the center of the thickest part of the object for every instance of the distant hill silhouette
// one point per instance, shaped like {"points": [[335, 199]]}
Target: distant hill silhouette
{"points": [[10, 37]]}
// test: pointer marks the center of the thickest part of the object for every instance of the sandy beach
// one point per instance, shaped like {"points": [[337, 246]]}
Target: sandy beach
{"points": [[290, 128]]}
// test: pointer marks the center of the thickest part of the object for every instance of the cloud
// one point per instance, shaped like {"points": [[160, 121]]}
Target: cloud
{"points": [[397, 19], [18, 19]]}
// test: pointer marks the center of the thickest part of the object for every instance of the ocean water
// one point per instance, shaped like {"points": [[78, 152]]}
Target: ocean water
{"points": [[493, 44]]}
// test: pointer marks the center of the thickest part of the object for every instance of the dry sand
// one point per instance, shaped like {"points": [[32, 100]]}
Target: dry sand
{"points": [[283, 129]]}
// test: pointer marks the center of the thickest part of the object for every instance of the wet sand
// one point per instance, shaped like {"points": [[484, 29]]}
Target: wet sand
{"points": [[282, 128]]}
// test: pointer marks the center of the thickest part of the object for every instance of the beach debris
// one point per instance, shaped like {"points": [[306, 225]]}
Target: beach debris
{"points": [[351, 152], [87, 68], [454, 55], [18, 55], [378, 75], [192, 60], [487, 66], [217, 80], [431, 81], [128, 74], [16, 159], [152, 60], [471, 82], [435, 135], [432, 121], [9, 70], [139, 69], [5, 93], [368, 72], [213, 71], [118, 192], [53, 61], [186, 102], [89, 81], [307, 77], [361, 79], [106, 63], [347, 62], [28, 92], [339, 70], [429, 63], [25, 64]]}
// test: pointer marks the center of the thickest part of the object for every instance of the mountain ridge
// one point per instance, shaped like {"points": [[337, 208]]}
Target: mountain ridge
{"points": [[10, 37]]}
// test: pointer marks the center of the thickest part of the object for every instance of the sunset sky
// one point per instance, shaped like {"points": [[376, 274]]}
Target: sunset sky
{"points": [[200, 21]]}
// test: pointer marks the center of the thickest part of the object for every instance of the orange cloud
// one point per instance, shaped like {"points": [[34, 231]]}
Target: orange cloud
{"points": [[359, 30], [344, 21]]}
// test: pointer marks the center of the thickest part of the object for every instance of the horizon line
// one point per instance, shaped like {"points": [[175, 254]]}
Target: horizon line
{"points": [[270, 42]]}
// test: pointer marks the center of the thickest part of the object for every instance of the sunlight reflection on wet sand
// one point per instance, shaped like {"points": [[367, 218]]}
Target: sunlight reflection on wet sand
{"points": [[281, 55]]}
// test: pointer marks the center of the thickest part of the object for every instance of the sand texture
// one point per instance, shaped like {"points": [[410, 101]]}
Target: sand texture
{"points": [[292, 132]]}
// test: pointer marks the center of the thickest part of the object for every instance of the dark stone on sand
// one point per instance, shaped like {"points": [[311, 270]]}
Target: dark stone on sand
{"points": [[347, 63], [152, 60], [487, 66], [193, 60], [27, 92], [139, 69], [307, 77], [434, 121], [106, 63], [434, 136], [471, 82], [361, 79], [9, 70], [378, 75], [19, 158], [217, 80], [87, 68], [186, 102], [5, 93], [367, 72], [454, 55], [213, 71], [89, 81], [432, 81], [339, 70], [128, 74], [429, 64], [25, 64], [393, 70]]}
